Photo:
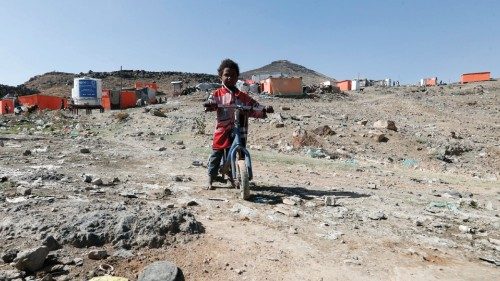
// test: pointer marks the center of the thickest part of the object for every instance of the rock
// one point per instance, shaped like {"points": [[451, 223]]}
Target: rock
{"points": [[179, 142], [385, 124], [452, 194], [124, 254], [161, 271], [162, 148], [279, 125], [97, 254], [9, 255], [51, 243], [97, 181], [330, 201], [11, 274], [494, 241], [285, 108], [85, 150], [301, 138], [362, 122], [324, 131], [27, 152], [23, 191], [158, 113], [465, 229], [377, 216], [87, 178], [78, 261], [108, 278], [32, 259], [1, 144], [377, 136], [289, 201]]}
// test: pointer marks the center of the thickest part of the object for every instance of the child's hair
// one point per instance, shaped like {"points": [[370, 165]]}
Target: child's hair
{"points": [[227, 63]]}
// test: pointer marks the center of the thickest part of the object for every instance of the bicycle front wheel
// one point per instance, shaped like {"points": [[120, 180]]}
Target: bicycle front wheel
{"points": [[243, 181]]}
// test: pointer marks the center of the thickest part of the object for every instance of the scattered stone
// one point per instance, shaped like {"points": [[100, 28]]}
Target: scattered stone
{"points": [[97, 254], [123, 253], [330, 200], [78, 261], [97, 181], [452, 194], [9, 255], [108, 278], [494, 241], [289, 201], [279, 125], [377, 216], [285, 108], [85, 150], [466, 229], [23, 191], [157, 113], [51, 243], [32, 259], [293, 230], [377, 136], [162, 148], [12, 274], [324, 131], [362, 122], [179, 142], [161, 271], [385, 124], [285, 211], [87, 178], [27, 152], [192, 203]]}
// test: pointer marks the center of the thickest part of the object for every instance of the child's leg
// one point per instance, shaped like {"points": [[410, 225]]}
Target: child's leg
{"points": [[214, 162]]}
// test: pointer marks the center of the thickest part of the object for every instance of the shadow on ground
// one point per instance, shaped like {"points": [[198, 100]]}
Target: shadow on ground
{"points": [[275, 194]]}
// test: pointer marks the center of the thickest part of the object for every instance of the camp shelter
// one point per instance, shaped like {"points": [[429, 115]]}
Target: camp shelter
{"points": [[106, 99], [282, 86], [146, 94], [140, 85], [43, 101], [177, 85], [475, 77], [128, 99], [6, 106], [344, 85]]}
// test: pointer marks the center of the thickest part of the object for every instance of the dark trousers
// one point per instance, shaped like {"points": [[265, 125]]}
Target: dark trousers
{"points": [[214, 161]]}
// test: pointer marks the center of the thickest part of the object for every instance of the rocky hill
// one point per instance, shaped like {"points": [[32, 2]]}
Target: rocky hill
{"points": [[309, 77], [60, 83]]}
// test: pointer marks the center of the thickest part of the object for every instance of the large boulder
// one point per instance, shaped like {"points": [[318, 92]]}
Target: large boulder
{"points": [[32, 259], [161, 271]]}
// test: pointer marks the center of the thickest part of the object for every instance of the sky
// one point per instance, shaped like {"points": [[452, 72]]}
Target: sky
{"points": [[401, 40]]}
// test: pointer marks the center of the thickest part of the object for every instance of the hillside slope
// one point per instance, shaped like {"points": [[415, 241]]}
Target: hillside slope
{"points": [[309, 76]]}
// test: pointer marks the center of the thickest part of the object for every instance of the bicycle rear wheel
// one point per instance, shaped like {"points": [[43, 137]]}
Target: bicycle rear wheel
{"points": [[243, 183]]}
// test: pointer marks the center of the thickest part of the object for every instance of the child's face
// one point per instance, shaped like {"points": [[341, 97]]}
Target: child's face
{"points": [[229, 77]]}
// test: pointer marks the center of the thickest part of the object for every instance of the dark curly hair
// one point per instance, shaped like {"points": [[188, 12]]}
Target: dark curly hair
{"points": [[227, 63]]}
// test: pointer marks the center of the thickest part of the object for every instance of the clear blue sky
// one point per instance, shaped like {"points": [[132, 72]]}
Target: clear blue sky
{"points": [[403, 40]]}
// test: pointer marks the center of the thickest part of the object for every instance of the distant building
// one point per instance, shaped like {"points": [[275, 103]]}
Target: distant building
{"points": [[344, 85], [475, 77]]}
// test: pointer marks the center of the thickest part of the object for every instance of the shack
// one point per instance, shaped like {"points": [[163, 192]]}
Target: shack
{"points": [[475, 77], [282, 86]]}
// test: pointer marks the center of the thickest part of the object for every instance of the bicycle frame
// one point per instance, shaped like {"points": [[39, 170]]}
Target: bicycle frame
{"points": [[237, 145]]}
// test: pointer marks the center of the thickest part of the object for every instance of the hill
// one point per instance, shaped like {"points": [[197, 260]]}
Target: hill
{"points": [[60, 83], [309, 76]]}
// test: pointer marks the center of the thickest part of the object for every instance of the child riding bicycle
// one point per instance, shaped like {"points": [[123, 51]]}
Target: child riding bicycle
{"points": [[228, 94]]}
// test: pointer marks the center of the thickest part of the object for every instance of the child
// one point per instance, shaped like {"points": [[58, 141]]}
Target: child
{"points": [[226, 95]]}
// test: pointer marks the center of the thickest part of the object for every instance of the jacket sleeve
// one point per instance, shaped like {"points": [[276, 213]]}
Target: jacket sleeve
{"points": [[258, 109]]}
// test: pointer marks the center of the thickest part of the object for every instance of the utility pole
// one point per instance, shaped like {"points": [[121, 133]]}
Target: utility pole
{"points": [[121, 78]]}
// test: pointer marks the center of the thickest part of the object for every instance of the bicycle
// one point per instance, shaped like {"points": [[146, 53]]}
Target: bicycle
{"points": [[237, 163]]}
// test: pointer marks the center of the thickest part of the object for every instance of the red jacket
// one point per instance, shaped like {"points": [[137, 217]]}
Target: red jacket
{"points": [[225, 116]]}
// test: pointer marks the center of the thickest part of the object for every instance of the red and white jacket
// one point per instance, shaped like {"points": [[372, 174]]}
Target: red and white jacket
{"points": [[225, 116]]}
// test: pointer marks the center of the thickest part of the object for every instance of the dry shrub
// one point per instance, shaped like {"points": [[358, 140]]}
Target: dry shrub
{"points": [[121, 116]]}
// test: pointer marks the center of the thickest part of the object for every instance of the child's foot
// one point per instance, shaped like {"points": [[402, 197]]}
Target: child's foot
{"points": [[209, 185]]}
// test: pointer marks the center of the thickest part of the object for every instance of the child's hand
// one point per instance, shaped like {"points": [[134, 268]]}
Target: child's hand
{"points": [[210, 105]]}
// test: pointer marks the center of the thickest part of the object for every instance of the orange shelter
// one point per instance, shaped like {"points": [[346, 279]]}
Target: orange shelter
{"points": [[141, 85], [6, 106], [128, 99], [43, 101], [430, 81], [106, 100], [344, 85], [283, 86], [475, 77]]}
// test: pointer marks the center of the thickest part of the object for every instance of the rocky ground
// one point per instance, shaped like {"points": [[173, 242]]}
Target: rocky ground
{"points": [[340, 193]]}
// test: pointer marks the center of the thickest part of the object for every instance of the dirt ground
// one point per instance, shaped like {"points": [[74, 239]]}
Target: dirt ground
{"points": [[423, 204]]}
